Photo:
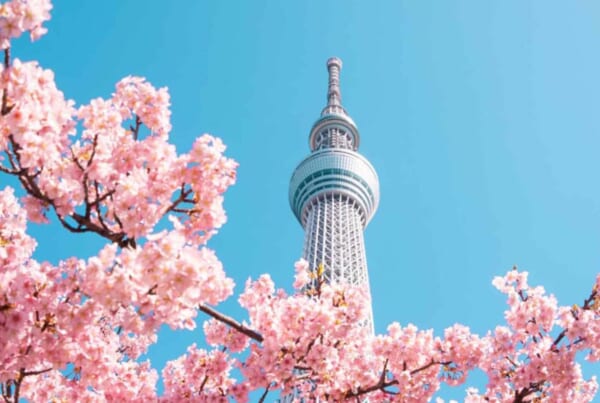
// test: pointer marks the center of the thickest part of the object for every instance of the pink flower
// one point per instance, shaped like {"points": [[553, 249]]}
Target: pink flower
{"points": [[302, 277]]}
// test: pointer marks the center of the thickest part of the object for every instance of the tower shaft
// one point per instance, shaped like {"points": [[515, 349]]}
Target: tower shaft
{"points": [[334, 238]]}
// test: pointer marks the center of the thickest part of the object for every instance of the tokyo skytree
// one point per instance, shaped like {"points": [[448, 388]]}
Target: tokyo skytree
{"points": [[334, 193]]}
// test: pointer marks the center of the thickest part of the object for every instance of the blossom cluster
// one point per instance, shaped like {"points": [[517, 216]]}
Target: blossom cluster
{"points": [[18, 16], [318, 347], [534, 357], [314, 347], [201, 376], [161, 282], [120, 176], [76, 331], [48, 327], [15, 245]]}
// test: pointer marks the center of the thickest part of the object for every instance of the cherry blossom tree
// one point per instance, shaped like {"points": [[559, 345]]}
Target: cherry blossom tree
{"points": [[76, 331]]}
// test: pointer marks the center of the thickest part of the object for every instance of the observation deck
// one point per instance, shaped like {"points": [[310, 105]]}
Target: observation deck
{"points": [[334, 166]]}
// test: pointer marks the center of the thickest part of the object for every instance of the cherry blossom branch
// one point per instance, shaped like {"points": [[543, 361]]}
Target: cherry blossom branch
{"points": [[430, 364], [8, 171], [520, 396], [309, 347], [588, 303], [135, 130], [85, 223], [382, 384], [5, 110], [16, 394], [264, 395], [203, 384], [253, 334], [591, 299], [182, 198]]}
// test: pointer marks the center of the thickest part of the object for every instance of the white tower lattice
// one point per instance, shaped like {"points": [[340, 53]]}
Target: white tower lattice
{"points": [[334, 193]]}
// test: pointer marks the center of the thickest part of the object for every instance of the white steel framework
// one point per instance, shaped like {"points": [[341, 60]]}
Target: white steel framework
{"points": [[334, 222]]}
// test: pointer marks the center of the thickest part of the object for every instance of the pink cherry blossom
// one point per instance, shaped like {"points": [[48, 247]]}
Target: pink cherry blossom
{"points": [[77, 330], [18, 16]]}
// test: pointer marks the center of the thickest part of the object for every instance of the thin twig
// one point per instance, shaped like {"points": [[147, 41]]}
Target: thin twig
{"points": [[264, 395]]}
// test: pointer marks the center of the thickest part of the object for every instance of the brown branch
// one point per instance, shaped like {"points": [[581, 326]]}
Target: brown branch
{"points": [[22, 374], [7, 393], [187, 211], [264, 395], [135, 130], [94, 146], [39, 372], [152, 290], [68, 226], [76, 160], [587, 305], [5, 110], [183, 193], [523, 296], [100, 199], [253, 334], [309, 347], [96, 204], [15, 160], [380, 385], [11, 159], [511, 361], [203, 384], [430, 364], [9, 171], [554, 346], [85, 223], [589, 300], [525, 392]]}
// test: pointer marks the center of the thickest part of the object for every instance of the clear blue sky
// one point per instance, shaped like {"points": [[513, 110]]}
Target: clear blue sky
{"points": [[481, 118]]}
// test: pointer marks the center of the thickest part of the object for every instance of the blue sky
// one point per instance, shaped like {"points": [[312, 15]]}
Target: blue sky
{"points": [[480, 117]]}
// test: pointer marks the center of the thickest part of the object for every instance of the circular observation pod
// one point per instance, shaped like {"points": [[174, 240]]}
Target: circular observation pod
{"points": [[338, 172], [334, 130]]}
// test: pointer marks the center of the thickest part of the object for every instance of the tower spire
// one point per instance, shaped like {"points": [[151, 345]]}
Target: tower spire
{"points": [[334, 95]]}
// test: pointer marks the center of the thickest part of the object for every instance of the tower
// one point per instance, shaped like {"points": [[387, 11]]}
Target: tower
{"points": [[334, 193]]}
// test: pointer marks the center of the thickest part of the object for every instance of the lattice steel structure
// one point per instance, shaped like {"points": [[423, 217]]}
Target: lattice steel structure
{"points": [[334, 193]]}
